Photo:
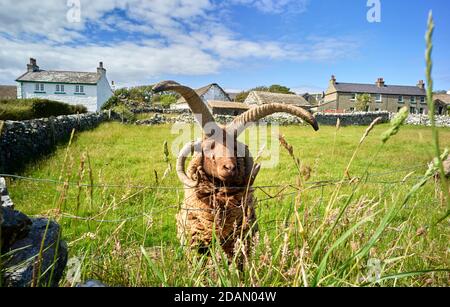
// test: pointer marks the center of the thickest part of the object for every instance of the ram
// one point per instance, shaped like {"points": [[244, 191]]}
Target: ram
{"points": [[219, 199]]}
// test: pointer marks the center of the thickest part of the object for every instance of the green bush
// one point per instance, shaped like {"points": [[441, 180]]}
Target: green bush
{"points": [[124, 113], [112, 102], [23, 109], [47, 108]]}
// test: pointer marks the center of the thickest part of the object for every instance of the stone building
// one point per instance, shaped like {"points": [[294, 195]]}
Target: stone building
{"points": [[442, 103], [227, 107], [210, 92], [260, 98], [90, 89], [342, 97]]}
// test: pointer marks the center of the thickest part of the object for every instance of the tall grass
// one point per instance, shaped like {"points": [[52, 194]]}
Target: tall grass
{"points": [[364, 217]]}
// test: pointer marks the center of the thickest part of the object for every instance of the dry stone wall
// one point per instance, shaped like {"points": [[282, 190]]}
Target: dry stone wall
{"points": [[24, 141]]}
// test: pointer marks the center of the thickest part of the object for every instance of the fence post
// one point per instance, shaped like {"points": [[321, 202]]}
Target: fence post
{"points": [[5, 200], [2, 124], [52, 129]]}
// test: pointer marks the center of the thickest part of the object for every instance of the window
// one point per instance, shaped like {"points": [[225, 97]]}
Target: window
{"points": [[378, 98], [377, 109], [421, 111], [412, 110], [422, 99], [352, 109], [400, 99], [353, 97], [398, 109], [413, 99], [39, 87], [79, 89], [60, 88]]}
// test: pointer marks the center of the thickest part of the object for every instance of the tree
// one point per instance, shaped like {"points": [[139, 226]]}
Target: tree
{"points": [[167, 99], [241, 96], [362, 102], [276, 88]]}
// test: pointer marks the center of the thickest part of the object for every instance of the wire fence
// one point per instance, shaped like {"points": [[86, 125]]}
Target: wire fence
{"points": [[283, 190]]}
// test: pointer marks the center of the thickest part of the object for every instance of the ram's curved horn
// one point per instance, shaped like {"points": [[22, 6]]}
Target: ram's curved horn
{"points": [[238, 125], [197, 106], [187, 150]]}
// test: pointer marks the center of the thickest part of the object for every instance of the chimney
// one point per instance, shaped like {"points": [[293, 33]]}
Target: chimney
{"points": [[113, 85], [421, 85], [333, 79], [100, 69], [380, 82], [32, 66]]}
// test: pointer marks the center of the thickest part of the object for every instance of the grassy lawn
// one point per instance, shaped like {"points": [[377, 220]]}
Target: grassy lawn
{"points": [[125, 234]]}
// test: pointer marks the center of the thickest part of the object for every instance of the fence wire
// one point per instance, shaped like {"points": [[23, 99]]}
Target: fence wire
{"points": [[284, 190]]}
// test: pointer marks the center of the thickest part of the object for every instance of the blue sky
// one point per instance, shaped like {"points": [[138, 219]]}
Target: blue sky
{"points": [[236, 43]]}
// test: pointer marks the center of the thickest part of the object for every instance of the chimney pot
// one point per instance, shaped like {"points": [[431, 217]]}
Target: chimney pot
{"points": [[333, 79], [421, 84], [380, 82], [32, 66], [100, 69]]}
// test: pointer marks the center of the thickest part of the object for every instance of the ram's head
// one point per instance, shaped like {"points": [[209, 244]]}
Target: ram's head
{"points": [[221, 153]]}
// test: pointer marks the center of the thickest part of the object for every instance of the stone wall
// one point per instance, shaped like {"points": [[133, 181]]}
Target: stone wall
{"points": [[24, 141], [351, 119], [424, 120], [282, 119]]}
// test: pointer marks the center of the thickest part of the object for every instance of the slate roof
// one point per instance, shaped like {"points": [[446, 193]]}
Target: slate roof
{"points": [[374, 89], [8, 91], [227, 105], [267, 97], [203, 90], [445, 98], [52, 76]]}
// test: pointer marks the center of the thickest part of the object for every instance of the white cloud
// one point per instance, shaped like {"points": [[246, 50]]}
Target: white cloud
{"points": [[176, 37], [275, 6]]}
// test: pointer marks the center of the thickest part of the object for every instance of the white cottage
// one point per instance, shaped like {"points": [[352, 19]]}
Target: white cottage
{"points": [[90, 89]]}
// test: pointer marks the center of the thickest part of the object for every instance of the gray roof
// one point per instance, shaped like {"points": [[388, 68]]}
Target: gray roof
{"points": [[203, 90], [374, 89], [268, 97], [60, 77]]}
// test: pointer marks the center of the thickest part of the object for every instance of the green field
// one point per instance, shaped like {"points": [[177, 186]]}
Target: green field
{"points": [[313, 232]]}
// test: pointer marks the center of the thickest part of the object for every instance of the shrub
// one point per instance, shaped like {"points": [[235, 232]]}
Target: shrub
{"points": [[124, 113], [23, 109], [47, 108], [112, 102]]}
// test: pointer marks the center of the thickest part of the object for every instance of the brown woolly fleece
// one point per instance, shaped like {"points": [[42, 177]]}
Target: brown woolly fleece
{"points": [[230, 211]]}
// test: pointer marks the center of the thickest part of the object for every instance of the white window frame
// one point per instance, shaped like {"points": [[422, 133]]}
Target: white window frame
{"points": [[413, 99], [39, 87], [79, 89], [354, 98], [378, 100], [401, 99], [422, 99]]}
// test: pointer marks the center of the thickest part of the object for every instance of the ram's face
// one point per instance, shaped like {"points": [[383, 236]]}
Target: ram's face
{"points": [[219, 160]]}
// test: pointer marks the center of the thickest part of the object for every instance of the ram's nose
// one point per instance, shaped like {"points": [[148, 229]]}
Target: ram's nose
{"points": [[230, 168]]}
